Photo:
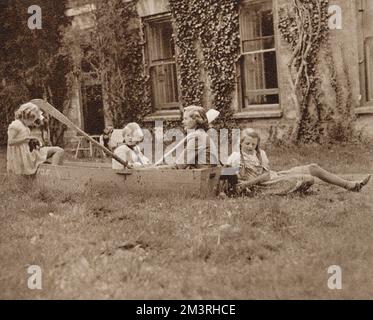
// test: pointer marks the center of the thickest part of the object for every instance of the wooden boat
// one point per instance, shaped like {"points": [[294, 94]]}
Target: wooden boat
{"points": [[192, 182]]}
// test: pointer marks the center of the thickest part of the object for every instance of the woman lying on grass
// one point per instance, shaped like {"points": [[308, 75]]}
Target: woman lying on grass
{"points": [[200, 151], [254, 174], [130, 151]]}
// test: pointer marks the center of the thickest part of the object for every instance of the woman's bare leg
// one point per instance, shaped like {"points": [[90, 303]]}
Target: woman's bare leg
{"points": [[56, 154], [316, 171]]}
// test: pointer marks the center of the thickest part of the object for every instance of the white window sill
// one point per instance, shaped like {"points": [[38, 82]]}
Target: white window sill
{"points": [[164, 115], [259, 111], [368, 109]]}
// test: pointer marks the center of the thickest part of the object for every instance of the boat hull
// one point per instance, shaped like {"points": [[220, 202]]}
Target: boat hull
{"points": [[74, 175]]}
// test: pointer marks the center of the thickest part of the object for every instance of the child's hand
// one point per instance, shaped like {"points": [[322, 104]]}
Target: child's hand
{"points": [[27, 139]]}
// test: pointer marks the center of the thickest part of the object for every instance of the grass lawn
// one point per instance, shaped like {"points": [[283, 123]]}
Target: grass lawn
{"points": [[101, 244]]}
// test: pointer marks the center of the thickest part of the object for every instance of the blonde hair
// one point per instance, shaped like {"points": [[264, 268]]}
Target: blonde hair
{"points": [[28, 111], [198, 114], [250, 132], [134, 130]]}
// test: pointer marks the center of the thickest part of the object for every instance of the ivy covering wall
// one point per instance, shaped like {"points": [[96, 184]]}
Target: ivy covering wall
{"points": [[213, 25], [206, 35], [303, 24], [112, 55], [117, 47]]}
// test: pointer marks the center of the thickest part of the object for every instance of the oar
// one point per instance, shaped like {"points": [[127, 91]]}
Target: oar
{"points": [[48, 108], [211, 114]]}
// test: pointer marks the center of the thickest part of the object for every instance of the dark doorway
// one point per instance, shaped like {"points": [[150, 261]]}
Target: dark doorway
{"points": [[93, 111]]}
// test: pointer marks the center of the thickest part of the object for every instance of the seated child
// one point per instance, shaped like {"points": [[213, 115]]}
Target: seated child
{"points": [[24, 152], [105, 137], [253, 171], [130, 151]]}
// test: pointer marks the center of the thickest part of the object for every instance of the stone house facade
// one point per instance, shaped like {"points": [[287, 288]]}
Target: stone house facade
{"points": [[262, 91]]}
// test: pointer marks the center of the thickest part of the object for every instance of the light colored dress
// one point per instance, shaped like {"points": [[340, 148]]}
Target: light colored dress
{"points": [[133, 156], [19, 158], [296, 179]]}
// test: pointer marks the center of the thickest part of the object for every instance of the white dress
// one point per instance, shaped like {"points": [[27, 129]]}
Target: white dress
{"points": [[133, 156], [19, 158]]}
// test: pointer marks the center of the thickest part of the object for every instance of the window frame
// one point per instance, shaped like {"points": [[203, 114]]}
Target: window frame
{"points": [[365, 68], [146, 23], [257, 110]]}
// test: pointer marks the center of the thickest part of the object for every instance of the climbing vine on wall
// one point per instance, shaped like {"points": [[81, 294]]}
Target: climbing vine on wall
{"points": [[214, 26], [304, 26], [187, 60], [206, 36], [112, 52]]}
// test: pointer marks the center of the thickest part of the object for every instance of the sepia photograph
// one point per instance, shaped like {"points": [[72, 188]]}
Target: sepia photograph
{"points": [[188, 150]]}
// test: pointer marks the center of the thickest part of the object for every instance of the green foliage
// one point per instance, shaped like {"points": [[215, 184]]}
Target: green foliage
{"points": [[304, 26], [113, 52], [11, 96], [213, 25], [119, 50], [189, 65], [341, 122], [32, 64]]}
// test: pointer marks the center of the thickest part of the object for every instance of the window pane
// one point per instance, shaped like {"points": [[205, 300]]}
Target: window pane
{"points": [[164, 83], [160, 43], [257, 29], [263, 43], [161, 61], [260, 74], [258, 69], [368, 21], [258, 99], [365, 40]]}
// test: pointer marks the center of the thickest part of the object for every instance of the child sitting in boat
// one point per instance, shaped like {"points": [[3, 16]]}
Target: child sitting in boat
{"points": [[130, 151], [105, 137], [24, 152], [254, 173]]}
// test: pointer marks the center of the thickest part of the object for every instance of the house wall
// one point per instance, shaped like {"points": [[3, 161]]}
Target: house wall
{"points": [[339, 60]]}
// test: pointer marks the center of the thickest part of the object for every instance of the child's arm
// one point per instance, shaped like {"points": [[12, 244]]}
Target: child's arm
{"points": [[123, 153], [13, 141], [259, 179]]}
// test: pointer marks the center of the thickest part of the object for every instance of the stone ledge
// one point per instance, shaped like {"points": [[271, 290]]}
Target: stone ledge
{"points": [[258, 112], [164, 115], [364, 110]]}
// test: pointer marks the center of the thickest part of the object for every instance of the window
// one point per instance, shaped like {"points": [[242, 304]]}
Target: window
{"points": [[160, 54], [258, 66], [365, 18]]}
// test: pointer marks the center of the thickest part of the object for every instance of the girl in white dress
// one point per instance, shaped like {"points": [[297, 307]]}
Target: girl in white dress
{"points": [[22, 158], [130, 151]]}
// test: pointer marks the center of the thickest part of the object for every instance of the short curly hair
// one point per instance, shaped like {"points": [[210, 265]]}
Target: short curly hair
{"points": [[28, 111], [134, 130], [198, 114]]}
